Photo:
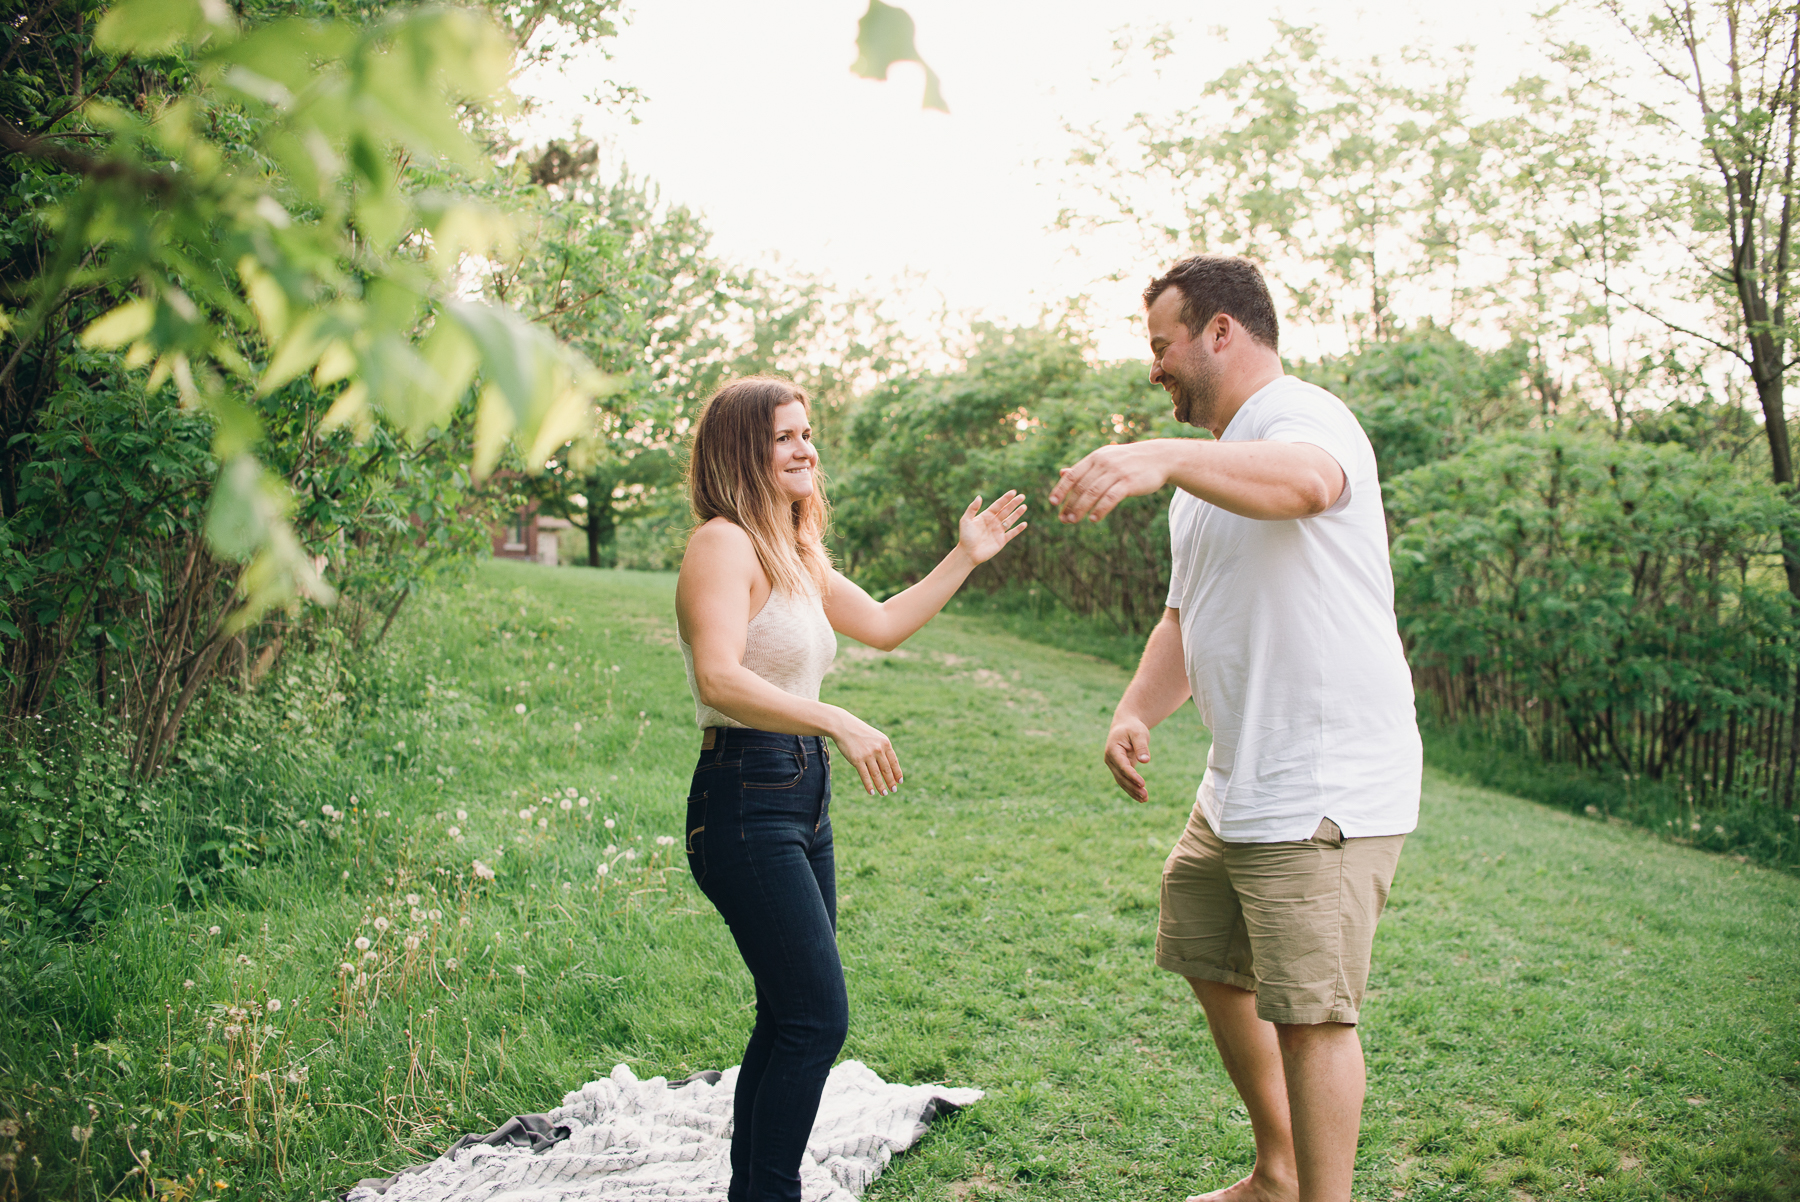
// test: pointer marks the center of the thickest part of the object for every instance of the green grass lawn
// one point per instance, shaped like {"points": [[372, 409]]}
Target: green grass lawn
{"points": [[1560, 1006]]}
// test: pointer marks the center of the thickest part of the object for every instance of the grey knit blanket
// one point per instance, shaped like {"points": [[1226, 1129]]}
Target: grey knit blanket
{"points": [[619, 1138]]}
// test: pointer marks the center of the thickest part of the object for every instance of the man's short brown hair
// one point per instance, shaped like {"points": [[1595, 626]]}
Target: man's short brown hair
{"points": [[1213, 284]]}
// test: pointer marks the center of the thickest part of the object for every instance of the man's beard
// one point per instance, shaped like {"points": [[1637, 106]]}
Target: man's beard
{"points": [[1196, 392]]}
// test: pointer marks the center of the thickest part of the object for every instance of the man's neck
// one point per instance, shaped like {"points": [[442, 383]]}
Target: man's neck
{"points": [[1239, 388]]}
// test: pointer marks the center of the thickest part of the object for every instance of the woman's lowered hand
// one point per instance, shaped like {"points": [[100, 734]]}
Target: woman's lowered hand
{"points": [[982, 532], [870, 752]]}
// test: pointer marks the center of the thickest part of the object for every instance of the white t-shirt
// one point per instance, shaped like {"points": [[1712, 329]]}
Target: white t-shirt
{"points": [[1291, 648]]}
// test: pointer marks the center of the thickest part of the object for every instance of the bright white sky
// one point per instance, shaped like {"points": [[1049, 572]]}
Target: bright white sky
{"points": [[753, 118]]}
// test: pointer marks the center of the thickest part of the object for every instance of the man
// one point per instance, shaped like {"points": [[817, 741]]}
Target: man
{"points": [[1280, 625]]}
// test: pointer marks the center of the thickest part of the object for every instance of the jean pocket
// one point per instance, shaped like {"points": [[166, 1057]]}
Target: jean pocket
{"points": [[770, 768], [696, 841], [1328, 834]]}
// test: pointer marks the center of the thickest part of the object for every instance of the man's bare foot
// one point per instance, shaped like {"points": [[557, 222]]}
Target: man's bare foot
{"points": [[1254, 1188]]}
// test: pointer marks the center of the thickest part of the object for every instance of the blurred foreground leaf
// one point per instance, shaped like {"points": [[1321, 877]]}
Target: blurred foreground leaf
{"points": [[885, 36]]}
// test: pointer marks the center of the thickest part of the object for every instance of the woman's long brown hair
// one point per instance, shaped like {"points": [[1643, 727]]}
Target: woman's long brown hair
{"points": [[731, 475]]}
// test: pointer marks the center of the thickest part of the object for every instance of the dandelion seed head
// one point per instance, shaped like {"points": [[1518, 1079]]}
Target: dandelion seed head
{"points": [[609, 824], [346, 968], [578, 728], [188, 984], [273, 1005], [464, 921], [362, 943], [417, 915], [436, 915], [381, 923], [571, 793], [412, 899], [462, 815], [519, 708], [582, 802], [369, 956], [455, 832], [244, 961], [451, 964], [483, 871], [412, 943], [212, 930], [567, 804]]}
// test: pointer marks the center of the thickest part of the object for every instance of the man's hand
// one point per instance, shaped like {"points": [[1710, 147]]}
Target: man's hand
{"points": [[1128, 745], [1107, 476]]}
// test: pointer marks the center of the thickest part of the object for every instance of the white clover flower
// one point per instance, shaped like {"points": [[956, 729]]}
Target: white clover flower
{"points": [[451, 964], [188, 984], [381, 923], [519, 708], [412, 899], [362, 943], [609, 824], [212, 930], [455, 832], [462, 815], [274, 1005], [567, 804], [483, 871]]}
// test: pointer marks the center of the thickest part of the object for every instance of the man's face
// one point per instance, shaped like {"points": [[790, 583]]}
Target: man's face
{"points": [[1181, 363]]}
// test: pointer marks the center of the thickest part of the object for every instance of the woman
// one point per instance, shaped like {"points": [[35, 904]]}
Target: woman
{"points": [[756, 604]]}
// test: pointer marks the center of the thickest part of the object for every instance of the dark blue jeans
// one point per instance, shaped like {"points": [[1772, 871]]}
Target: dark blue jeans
{"points": [[759, 846]]}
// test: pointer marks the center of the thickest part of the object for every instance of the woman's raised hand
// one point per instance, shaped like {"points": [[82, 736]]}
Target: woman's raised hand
{"points": [[982, 532], [870, 752]]}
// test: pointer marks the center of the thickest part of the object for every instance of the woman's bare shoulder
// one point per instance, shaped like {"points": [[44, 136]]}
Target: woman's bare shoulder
{"points": [[721, 538]]}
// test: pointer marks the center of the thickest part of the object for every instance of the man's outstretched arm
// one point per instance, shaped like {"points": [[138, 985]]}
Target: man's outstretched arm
{"points": [[1158, 689], [1270, 481]]}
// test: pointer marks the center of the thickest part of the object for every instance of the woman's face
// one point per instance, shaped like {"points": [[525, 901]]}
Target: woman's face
{"points": [[795, 457]]}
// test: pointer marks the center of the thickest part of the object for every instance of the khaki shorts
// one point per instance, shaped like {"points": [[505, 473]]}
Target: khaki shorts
{"points": [[1293, 922]]}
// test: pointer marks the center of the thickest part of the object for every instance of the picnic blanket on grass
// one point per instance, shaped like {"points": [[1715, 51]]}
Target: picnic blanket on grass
{"points": [[619, 1139]]}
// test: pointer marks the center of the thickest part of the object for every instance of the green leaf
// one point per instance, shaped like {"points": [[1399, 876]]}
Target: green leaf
{"points": [[246, 504], [156, 26], [885, 36]]}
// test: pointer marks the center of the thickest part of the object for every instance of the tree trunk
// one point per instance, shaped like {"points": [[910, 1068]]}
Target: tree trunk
{"points": [[1770, 392]]}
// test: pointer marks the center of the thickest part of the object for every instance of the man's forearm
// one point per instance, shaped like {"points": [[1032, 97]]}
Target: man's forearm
{"points": [[1270, 481], [1161, 683]]}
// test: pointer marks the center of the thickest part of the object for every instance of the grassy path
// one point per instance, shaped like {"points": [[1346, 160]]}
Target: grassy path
{"points": [[1561, 1007]]}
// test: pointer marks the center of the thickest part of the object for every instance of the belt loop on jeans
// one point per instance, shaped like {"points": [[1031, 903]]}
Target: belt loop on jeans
{"points": [[709, 738]]}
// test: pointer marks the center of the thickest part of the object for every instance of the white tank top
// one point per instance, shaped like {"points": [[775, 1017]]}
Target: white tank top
{"points": [[788, 643]]}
